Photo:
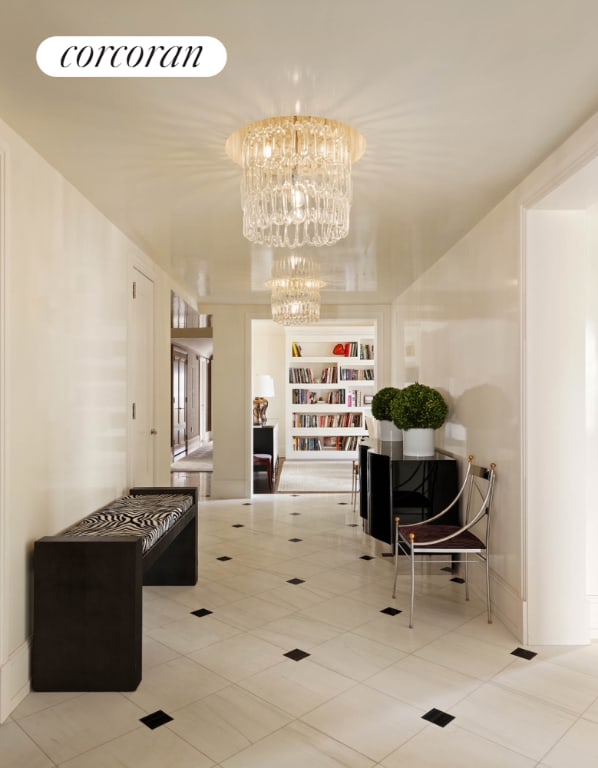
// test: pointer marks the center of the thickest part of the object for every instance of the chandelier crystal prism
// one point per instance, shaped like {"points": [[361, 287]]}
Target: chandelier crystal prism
{"points": [[295, 286], [296, 183]]}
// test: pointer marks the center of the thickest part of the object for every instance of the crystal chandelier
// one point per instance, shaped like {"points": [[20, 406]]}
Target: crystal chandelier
{"points": [[296, 184], [295, 286]]}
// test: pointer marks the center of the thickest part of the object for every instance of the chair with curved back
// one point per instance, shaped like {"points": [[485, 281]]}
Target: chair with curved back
{"points": [[452, 543]]}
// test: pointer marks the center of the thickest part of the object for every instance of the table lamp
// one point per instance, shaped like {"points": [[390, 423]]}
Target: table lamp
{"points": [[263, 388]]}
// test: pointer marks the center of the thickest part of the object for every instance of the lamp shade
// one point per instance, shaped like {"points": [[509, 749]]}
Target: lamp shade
{"points": [[264, 385]]}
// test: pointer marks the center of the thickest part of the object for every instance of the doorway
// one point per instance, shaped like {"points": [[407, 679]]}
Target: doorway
{"points": [[141, 376], [180, 360]]}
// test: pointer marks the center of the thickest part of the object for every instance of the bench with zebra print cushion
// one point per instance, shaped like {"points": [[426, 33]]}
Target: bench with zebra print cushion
{"points": [[88, 587], [148, 517]]}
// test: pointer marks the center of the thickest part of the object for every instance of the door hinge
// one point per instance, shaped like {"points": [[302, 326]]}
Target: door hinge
{"points": [[134, 411], [134, 289]]}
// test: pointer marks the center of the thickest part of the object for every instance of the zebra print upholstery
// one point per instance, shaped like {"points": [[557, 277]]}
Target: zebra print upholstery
{"points": [[146, 516]]}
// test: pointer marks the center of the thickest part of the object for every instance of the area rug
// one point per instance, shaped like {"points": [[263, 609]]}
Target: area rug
{"points": [[200, 460], [315, 477]]}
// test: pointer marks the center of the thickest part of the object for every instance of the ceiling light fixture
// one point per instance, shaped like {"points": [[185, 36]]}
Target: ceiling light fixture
{"points": [[295, 286], [296, 184]]}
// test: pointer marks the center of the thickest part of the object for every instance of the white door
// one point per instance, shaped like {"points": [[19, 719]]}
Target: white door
{"points": [[141, 378]]}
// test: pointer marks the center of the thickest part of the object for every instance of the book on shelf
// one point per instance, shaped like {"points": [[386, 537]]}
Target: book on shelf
{"points": [[366, 352], [327, 420], [357, 374]]}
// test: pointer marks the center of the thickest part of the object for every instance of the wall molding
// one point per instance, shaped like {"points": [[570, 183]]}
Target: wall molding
{"points": [[3, 439], [593, 608]]}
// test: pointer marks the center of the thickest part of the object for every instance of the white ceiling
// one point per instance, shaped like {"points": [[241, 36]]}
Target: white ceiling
{"points": [[458, 101]]}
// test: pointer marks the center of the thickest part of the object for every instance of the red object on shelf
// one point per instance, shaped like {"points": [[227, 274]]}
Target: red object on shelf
{"points": [[339, 349]]}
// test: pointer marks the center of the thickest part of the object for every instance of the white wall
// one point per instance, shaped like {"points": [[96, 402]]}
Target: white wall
{"points": [[467, 316], [555, 425], [63, 377], [458, 330], [268, 357], [591, 554]]}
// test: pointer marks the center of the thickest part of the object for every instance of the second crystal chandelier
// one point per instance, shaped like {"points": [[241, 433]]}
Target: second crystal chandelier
{"points": [[295, 286], [296, 184]]}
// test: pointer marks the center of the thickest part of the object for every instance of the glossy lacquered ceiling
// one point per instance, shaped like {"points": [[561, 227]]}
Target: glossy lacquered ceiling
{"points": [[458, 100]]}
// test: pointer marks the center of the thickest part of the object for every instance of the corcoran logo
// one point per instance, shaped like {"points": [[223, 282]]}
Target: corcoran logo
{"points": [[139, 56]]}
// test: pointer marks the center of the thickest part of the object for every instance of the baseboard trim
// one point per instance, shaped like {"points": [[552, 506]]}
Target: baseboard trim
{"points": [[14, 680], [593, 604]]}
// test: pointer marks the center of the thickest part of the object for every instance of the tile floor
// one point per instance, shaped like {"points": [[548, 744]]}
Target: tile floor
{"points": [[283, 655]]}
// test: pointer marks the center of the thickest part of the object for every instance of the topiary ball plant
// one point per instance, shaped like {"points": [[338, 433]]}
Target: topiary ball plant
{"points": [[418, 406], [382, 401]]}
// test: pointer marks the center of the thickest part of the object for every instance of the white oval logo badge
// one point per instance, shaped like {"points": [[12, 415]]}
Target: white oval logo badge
{"points": [[140, 56]]}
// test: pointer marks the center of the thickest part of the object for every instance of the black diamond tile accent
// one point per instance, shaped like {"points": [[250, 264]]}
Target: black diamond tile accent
{"points": [[295, 540], [297, 654], [447, 568], [224, 558], [352, 525], [367, 557], [458, 580], [523, 653], [238, 525], [156, 719], [438, 717], [390, 611], [388, 554], [294, 513], [201, 612], [296, 581], [343, 503], [295, 495], [246, 504]]}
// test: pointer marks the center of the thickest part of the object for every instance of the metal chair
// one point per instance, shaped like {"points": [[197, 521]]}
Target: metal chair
{"points": [[452, 543]]}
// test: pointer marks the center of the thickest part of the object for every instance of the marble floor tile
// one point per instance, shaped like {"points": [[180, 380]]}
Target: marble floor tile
{"points": [[423, 684], [218, 660], [143, 748], [388, 725], [81, 723], [297, 686], [226, 722], [340, 611], [238, 657], [466, 655], [19, 750], [452, 747], [297, 631], [175, 684], [191, 633], [553, 683], [522, 723], [577, 749], [298, 746], [355, 656]]}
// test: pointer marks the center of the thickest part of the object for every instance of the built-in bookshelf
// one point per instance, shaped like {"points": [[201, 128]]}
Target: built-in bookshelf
{"points": [[331, 381]]}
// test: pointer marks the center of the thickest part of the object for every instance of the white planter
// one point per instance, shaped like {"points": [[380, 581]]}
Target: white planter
{"points": [[388, 432], [418, 442]]}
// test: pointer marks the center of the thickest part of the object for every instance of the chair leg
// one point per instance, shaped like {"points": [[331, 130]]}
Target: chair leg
{"points": [[354, 484], [488, 604], [466, 577], [411, 605]]}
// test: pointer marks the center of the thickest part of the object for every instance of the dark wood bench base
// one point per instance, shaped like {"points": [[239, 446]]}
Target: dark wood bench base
{"points": [[87, 607]]}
